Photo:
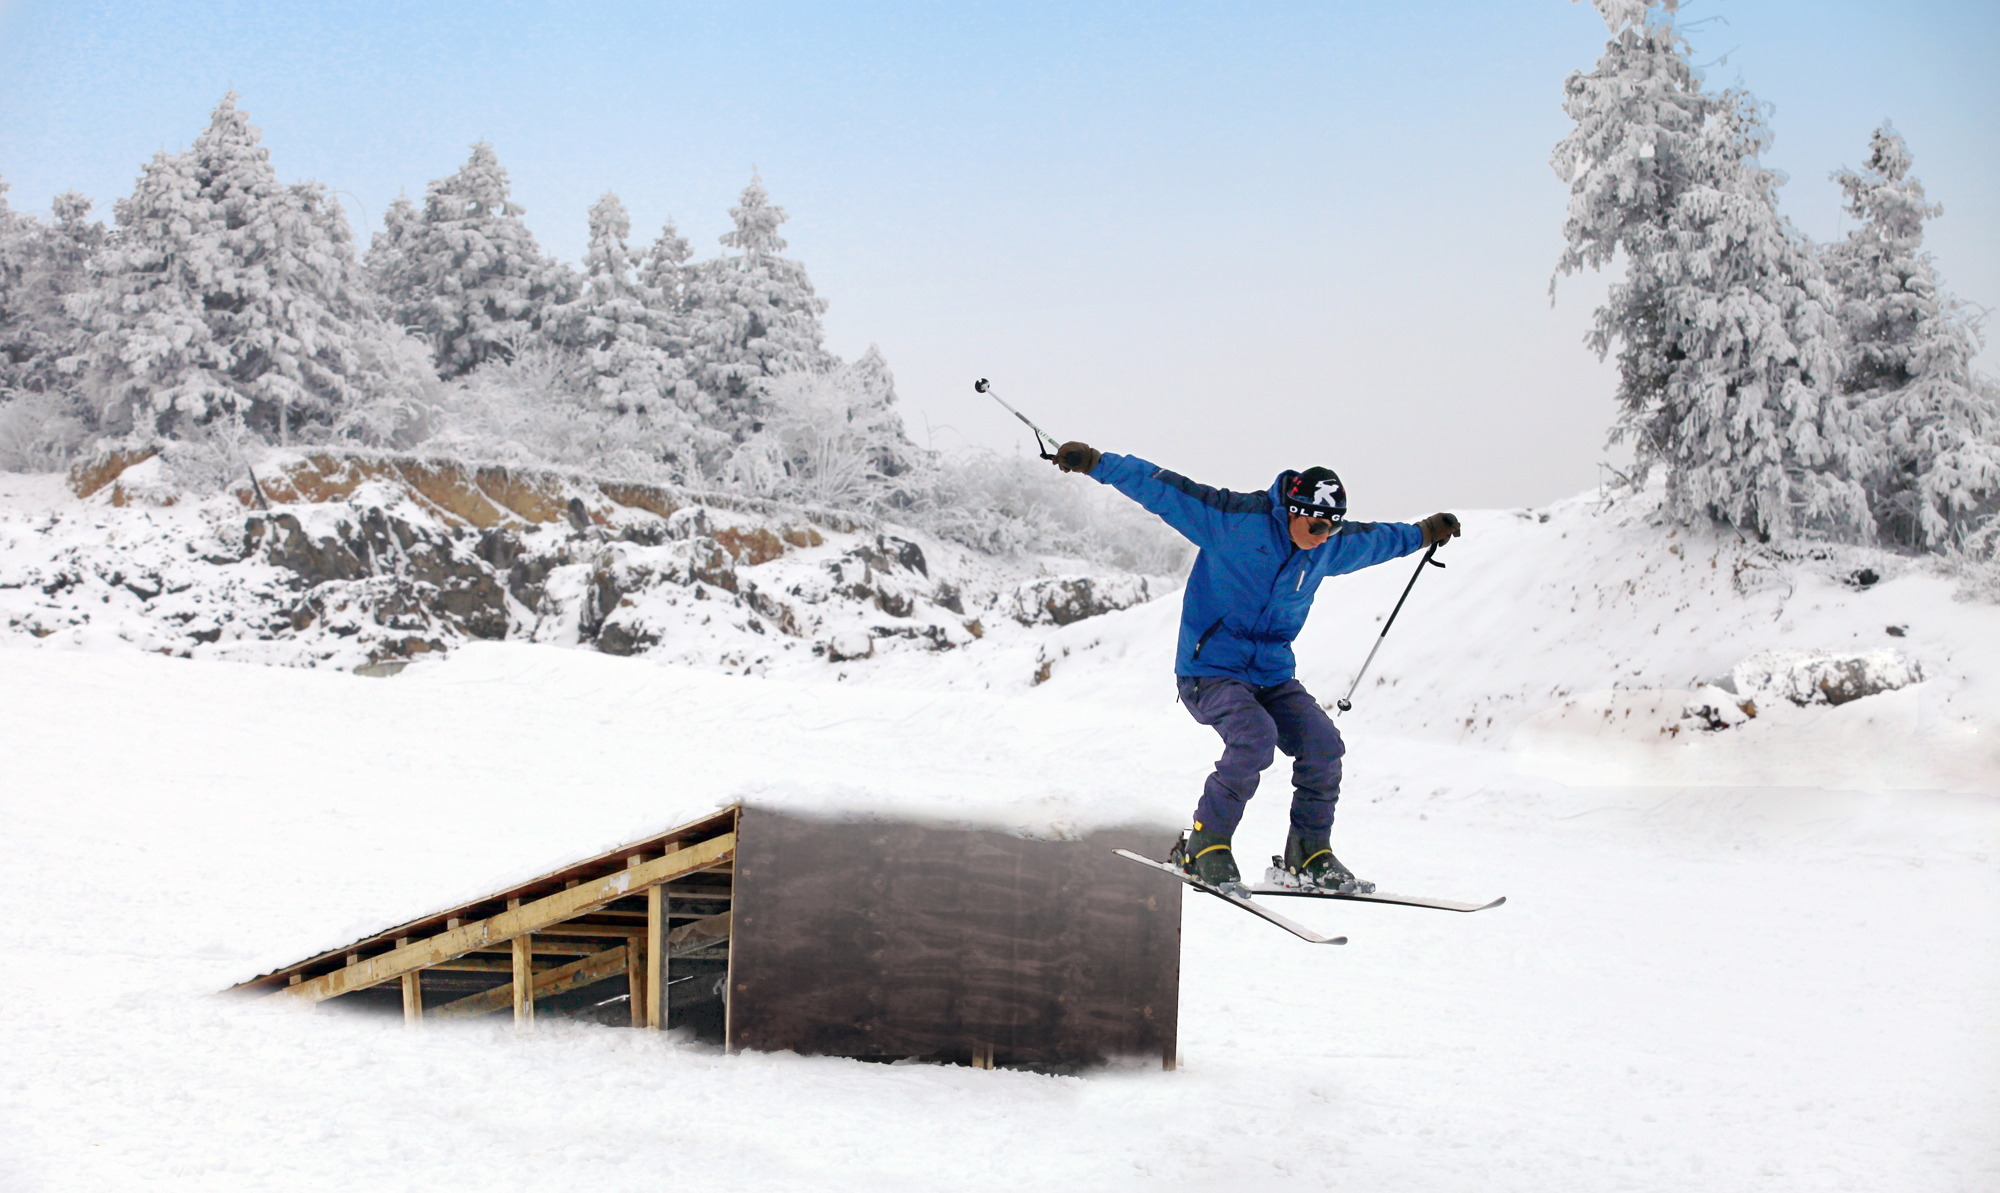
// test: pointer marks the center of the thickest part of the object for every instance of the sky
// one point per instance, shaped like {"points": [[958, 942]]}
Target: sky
{"points": [[1230, 239]]}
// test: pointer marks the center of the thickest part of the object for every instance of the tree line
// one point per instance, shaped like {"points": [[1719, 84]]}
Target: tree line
{"points": [[225, 310], [225, 299], [1784, 387]]}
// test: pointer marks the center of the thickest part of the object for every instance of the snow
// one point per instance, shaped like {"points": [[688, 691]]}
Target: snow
{"points": [[1756, 958]]}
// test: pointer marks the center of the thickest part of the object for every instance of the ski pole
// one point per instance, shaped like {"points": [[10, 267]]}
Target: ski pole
{"points": [[1047, 449], [1346, 702]]}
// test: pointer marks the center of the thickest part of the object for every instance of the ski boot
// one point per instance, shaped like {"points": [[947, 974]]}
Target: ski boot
{"points": [[1206, 857], [1309, 864]]}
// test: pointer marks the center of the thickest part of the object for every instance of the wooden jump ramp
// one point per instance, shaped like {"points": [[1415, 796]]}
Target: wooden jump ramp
{"points": [[878, 939]]}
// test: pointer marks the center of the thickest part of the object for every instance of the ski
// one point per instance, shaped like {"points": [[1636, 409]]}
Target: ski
{"points": [[1296, 929], [1271, 887]]}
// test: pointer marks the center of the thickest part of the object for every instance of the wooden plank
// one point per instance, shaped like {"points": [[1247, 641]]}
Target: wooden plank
{"points": [[413, 993], [529, 917], [698, 935], [547, 948], [548, 983], [657, 926], [635, 978], [523, 986]]}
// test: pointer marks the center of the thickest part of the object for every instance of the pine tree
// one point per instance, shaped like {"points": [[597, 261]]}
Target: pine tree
{"points": [[613, 323], [41, 266], [664, 278], [753, 316], [231, 294], [467, 276], [1909, 351], [1722, 323], [151, 361]]}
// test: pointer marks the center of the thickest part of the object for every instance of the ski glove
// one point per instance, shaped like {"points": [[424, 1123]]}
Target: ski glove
{"points": [[1439, 528], [1077, 457]]}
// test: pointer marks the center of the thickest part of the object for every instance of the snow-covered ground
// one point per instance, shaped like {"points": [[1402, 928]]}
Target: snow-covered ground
{"points": [[1760, 958]]}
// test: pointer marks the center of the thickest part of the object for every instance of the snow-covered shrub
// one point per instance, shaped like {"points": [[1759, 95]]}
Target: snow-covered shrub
{"points": [[39, 432], [1017, 505]]}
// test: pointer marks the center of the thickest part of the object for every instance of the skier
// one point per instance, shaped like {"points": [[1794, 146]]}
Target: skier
{"points": [[1262, 558]]}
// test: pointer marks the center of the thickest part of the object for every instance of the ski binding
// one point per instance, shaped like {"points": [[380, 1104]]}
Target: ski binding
{"points": [[1243, 901], [1280, 881]]}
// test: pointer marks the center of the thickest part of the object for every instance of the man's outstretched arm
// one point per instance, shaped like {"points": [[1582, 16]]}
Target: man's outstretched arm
{"points": [[1200, 512]]}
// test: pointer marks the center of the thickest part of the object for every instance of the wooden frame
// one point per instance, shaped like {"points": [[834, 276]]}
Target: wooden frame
{"points": [[874, 938]]}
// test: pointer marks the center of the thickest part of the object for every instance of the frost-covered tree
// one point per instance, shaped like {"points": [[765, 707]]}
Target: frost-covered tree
{"points": [[465, 273], [1909, 349], [230, 294], [1722, 323], [664, 277], [752, 316], [619, 328], [612, 324], [40, 266], [42, 418]]}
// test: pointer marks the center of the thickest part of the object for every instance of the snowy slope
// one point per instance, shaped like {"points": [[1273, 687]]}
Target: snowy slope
{"points": [[1704, 977]]}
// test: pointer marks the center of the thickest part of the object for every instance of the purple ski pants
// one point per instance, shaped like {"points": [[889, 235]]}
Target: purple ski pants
{"points": [[1253, 723]]}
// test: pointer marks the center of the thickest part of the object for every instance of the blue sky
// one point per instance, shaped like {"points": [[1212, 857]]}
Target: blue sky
{"points": [[1229, 238]]}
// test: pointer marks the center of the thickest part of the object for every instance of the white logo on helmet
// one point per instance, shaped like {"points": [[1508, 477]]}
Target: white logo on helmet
{"points": [[1327, 493]]}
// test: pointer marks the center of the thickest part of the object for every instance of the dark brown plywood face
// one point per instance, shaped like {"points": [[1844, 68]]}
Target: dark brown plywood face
{"points": [[887, 939]]}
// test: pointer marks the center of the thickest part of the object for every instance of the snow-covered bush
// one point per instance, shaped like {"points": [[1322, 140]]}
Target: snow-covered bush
{"points": [[39, 432]]}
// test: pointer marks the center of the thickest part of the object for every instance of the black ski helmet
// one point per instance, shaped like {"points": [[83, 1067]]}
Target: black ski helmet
{"points": [[1317, 493]]}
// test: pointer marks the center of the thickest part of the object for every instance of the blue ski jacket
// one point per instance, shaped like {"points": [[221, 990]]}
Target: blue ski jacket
{"points": [[1251, 587]]}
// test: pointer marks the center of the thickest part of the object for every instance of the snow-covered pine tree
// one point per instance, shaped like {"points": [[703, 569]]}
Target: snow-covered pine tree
{"points": [[231, 294], [610, 322], [663, 280], [1908, 361], [877, 422], [151, 360], [387, 261], [752, 317], [1722, 323], [42, 419], [468, 277]]}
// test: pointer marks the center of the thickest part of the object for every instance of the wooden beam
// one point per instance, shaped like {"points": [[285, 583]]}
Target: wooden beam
{"points": [[635, 978], [656, 955], [549, 983], [698, 935], [413, 993], [547, 948], [529, 917], [657, 927], [523, 985]]}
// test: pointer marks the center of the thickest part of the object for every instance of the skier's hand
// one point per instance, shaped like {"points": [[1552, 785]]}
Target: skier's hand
{"points": [[1439, 528], [1077, 457]]}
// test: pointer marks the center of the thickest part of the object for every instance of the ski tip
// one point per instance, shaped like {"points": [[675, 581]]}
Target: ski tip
{"points": [[1495, 903]]}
